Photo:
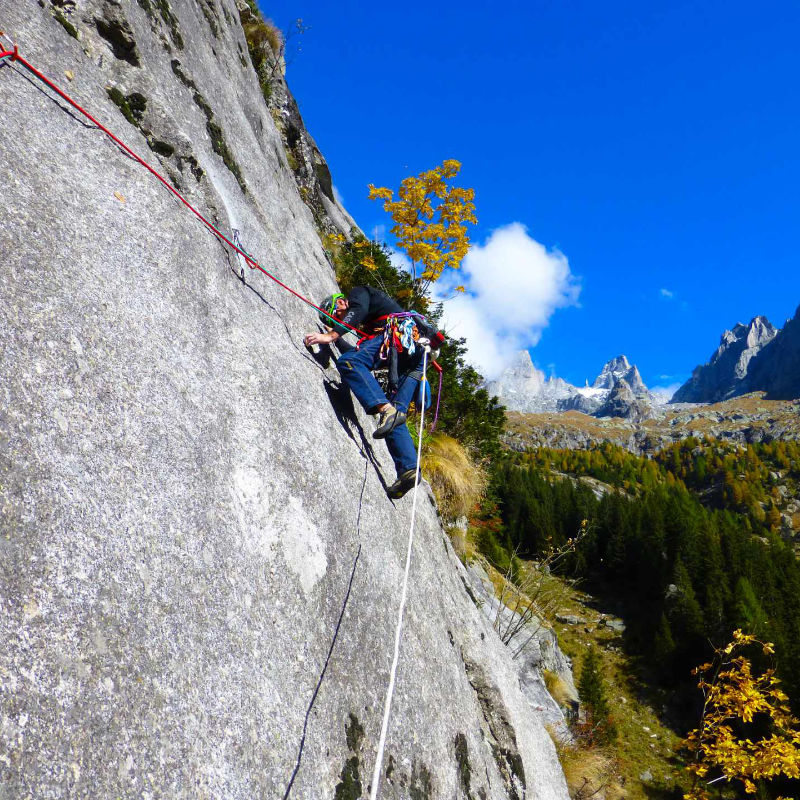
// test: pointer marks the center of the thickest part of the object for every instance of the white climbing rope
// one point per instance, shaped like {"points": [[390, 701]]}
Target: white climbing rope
{"points": [[376, 775]]}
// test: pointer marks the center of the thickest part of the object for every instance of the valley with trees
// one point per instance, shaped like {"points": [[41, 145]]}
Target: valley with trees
{"points": [[686, 544]]}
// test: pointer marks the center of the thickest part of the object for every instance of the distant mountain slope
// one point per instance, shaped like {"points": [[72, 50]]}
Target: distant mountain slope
{"points": [[776, 368], [617, 391], [726, 374], [749, 418]]}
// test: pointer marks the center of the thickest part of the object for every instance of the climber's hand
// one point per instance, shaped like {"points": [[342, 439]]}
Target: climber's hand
{"points": [[320, 338]]}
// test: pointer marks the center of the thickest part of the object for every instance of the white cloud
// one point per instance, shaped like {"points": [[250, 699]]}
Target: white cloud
{"points": [[514, 284], [400, 260], [337, 196], [664, 393], [667, 293]]}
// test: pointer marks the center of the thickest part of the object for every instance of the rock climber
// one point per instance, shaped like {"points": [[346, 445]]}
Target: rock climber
{"points": [[371, 310]]}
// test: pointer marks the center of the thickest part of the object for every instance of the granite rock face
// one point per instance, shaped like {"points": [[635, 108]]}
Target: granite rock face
{"points": [[586, 404], [199, 567], [534, 647], [775, 369], [726, 374], [623, 402], [307, 164]]}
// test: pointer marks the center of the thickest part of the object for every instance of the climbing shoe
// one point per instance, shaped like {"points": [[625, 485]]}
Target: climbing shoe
{"points": [[388, 420], [404, 483]]}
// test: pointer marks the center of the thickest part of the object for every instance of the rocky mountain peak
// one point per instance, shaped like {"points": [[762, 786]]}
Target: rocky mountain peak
{"points": [[619, 368], [624, 401], [522, 387], [522, 366], [775, 368], [618, 364], [726, 372], [745, 341]]}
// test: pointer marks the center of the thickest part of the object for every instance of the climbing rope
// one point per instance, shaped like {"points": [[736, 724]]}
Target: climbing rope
{"points": [[376, 775], [15, 57]]}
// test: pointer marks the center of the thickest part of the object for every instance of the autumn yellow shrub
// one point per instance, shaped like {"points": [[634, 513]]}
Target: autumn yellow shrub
{"points": [[734, 697], [430, 222]]}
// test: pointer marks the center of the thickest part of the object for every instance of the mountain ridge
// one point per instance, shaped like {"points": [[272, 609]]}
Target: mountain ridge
{"points": [[618, 390], [725, 374]]}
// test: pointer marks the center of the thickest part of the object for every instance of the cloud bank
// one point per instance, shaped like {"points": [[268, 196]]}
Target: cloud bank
{"points": [[664, 393], [513, 285]]}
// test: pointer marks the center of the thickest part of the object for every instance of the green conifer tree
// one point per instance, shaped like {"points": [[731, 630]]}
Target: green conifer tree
{"points": [[593, 695]]}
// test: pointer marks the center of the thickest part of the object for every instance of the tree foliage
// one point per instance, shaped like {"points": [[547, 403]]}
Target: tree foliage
{"points": [[687, 574], [361, 262], [430, 218], [592, 691], [729, 743]]}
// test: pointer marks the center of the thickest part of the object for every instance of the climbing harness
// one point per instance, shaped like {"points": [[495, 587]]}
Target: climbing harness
{"points": [[15, 58], [376, 774], [402, 332]]}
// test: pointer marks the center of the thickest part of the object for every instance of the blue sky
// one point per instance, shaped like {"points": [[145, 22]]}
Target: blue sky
{"points": [[650, 147]]}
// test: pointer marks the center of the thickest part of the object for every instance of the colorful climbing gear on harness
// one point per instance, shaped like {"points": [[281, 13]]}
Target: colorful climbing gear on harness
{"points": [[401, 332]]}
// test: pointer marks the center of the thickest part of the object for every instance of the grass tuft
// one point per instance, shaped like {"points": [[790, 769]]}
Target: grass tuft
{"points": [[265, 44], [589, 771], [558, 688], [457, 481]]}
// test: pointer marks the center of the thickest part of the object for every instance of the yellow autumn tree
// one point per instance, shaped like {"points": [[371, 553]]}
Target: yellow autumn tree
{"points": [[430, 222], [735, 696]]}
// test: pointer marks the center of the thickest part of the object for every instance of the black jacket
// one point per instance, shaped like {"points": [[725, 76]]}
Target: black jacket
{"points": [[366, 305]]}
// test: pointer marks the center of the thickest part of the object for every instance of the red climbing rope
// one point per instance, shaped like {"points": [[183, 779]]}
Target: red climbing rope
{"points": [[251, 262]]}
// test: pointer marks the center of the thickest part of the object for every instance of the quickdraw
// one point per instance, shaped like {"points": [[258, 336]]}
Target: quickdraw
{"points": [[399, 334]]}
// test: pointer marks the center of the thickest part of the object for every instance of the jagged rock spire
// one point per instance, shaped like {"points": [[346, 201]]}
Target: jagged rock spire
{"points": [[726, 372]]}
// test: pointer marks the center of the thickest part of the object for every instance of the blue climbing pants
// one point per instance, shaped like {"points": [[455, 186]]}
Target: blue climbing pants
{"points": [[355, 367]]}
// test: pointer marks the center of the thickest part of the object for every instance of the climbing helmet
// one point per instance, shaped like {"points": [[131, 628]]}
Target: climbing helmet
{"points": [[328, 305]]}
